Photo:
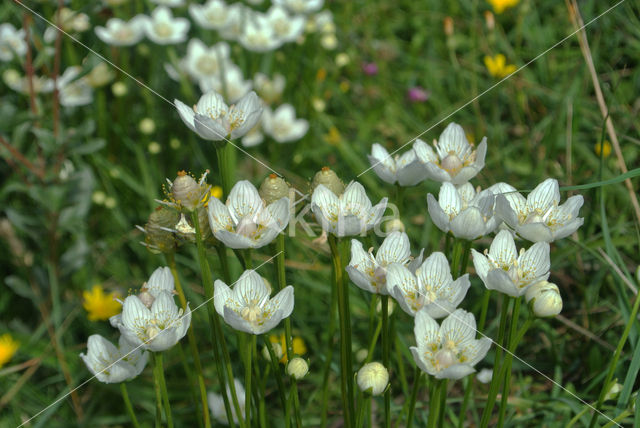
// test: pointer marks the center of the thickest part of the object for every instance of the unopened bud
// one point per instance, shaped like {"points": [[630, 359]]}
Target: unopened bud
{"points": [[147, 126], [544, 298], [297, 368], [146, 298], [447, 25], [373, 378], [277, 351], [489, 20], [362, 355], [187, 192], [119, 89], [158, 239], [328, 179], [273, 188], [395, 225], [613, 392]]}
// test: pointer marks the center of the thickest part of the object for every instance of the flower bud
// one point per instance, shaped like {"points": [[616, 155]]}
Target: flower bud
{"points": [[100, 75], [395, 225], [485, 375], [277, 351], [146, 298], [373, 378], [297, 368], [613, 392], [362, 354], [187, 192], [489, 20], [273, 188], [329, 179], [158, 239], [544, 298], [147, 126], [119, 89], [447, 25]]}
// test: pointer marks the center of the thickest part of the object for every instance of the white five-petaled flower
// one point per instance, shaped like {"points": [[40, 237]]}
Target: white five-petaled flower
{"points": [[247, 307], [22, 84], [122, 33], [431, 288], [300, 6], [369, 272], [212, 15], [282, 125], [246, 221], [204, 62], [454, 160], [216, 403], [539, 217], [286, 27], [258, 34], [213, 120], [269, 89], [467, 214], [231, 82], [504, 270], [12, 42], [406, 170], [74, 91], [349, 214], [162, 28], [110, 364], [448, 351]]}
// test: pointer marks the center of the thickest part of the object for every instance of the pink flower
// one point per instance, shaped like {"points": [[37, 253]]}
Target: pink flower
{"points": [[370, 68], [418, 94]]}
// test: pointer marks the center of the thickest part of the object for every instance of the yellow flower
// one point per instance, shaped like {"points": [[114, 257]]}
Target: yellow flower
{"points": [[500, 6], [333, 137], [100, 306], [216, 192], [497, 66], [8, 347], [298, 345], [605, 149]]}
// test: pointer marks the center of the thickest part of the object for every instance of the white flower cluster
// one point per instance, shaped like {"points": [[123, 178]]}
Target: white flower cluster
{"points": [[150, 320]]}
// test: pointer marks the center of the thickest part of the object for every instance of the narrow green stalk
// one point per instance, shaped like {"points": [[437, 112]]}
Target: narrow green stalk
{"points": [[342, 293], [171, 261], [329, 354], [384, 301], [248, 261], [247, 378], [296, 403], [372, 344], [456, 257], [193, 389], [159, 374], [434, 403], [282, 283], [226, 166], [398, 348], [221, 250], [506, 369], [414, 395], [443, 402], [127, 404], [495, 380], [258, 386], [157, 389], [614, 362], [364, 403], [216, 331], [278, 375]]}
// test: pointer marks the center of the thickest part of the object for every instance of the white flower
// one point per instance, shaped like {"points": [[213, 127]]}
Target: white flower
{"points": [[539, 217], [369, 272], [19, 83], [258, 35], [504, 270], [237, 13], [122, 33], [485, 375], [11, 42], [282, 125], [230, 81], [216, 403], [448, 351], [74, 91], [245, 221], [431, 288], [154, 324], [323, 22], [300, 6], [169, 3], [213, 120], [248, 307], [161, 281], [455, 161], [202, 62], [69, 21], [286, 27], [212, 15], [373, 378], [406, 170], [162, 28], [545, 299], [254, 137], [110, 364], [270, 90], [349, 214], [467, 214]]}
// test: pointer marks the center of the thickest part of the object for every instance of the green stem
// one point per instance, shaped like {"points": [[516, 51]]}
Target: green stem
{"points": [[190, 381], [414, 395], [282, 283], [127, 404], [364, 403], [157, 388], [614, 362], [171, 261], [216, 331], [495, 381], [443, 402], [296, 403], [247, 378], [346, 372], [159, 374], [276, 369], [456, 257], [374, 340], [221, 250], [329, 355], [226, 166], [384, 301], [506, 369], [434, 403]]}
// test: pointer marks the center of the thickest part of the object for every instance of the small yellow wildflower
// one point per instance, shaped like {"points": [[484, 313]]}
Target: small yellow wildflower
{"points": [[321, 75], [344, 86], [99, 305], [298, 345], [500, 6], [8, 347], [498, 67], [604, 149], [333, 137]]}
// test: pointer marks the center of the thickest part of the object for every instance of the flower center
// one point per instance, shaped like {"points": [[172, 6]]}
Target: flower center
{"points": [[452, 164], [246, 226], [444, 358], [207, 64], [123, 33], [252, 312], [163, 29]]}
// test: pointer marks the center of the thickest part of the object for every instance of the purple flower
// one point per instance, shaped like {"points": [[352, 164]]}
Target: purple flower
{"points": [[418, 94], [370, 68]]}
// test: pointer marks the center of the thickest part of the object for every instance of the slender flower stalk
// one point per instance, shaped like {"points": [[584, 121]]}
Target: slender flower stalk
{"points": [[329, 352], [159, 377], [384, 299], [342, 293], [273, 359], [249, 344], [127, 404], [226, 165], [443, 402], [505, 372], [414, 394], [434, 403]]}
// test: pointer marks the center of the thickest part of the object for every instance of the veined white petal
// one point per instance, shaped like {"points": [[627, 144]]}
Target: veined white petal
{"points": [[283, 301], [535, 261], [376, 212], [469, 224], [210, 129], [459, 327], [394, 249], [436, 173], [425, 329], [449, 200], [481, 264], [543, 197], [437, 214], [234, 319], [354, 200], [424, 152], [420, 362], [135, 315], [403, 285], [455, 372], [363, 281], [164, 310], [327, 202], [186, 114], [503, 249], [435, 271], [250, 289], [222, 294], [161, 280], [219, 218], [498, 279], [244, 200], [535, 232]]}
